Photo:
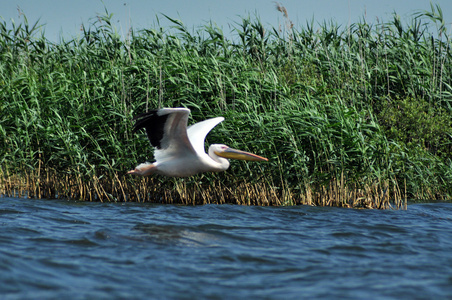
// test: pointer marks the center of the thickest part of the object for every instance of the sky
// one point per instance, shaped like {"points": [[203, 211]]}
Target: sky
{"points": [[64, 18]]}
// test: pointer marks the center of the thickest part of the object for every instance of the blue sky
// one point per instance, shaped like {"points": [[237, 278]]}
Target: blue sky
{"points": [[64, 17]]}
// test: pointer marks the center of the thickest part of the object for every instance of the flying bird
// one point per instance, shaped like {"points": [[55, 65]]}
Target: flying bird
{"points": [[179, 150]]}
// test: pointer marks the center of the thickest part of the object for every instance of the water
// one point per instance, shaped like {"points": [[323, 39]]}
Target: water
{"points": [[80, 250]]}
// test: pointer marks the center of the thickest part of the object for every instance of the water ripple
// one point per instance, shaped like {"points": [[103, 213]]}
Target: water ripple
{"points": [[68, 249]]}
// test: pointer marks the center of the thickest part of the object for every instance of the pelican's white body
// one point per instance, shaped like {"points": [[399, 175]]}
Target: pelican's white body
{"points": [[180, 150]]}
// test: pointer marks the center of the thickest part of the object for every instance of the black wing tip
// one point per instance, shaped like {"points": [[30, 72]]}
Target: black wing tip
{"points": [[154, 125], [146, 114], [145, 119], [142, 120]]}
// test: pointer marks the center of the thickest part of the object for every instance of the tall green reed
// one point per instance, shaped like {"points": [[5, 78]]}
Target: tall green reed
{"points": [[318, 103]]}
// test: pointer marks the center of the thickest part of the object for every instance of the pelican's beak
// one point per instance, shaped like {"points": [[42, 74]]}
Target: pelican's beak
{"points": [[238, 154]]}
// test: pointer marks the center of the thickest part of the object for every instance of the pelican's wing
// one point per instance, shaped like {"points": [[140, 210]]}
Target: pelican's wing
{"points": [[167, 131], [197, 132]]}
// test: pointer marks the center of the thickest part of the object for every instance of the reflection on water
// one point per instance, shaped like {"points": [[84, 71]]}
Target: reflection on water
{"points": [[174, 235], [67, 249]]}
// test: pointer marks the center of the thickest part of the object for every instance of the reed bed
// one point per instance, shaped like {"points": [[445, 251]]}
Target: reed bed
{"points": [[353, 117]]}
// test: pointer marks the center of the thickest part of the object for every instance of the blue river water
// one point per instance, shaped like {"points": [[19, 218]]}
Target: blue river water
{"points": [[59, 249]]}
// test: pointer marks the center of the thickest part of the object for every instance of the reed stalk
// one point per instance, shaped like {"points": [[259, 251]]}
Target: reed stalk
{"points": [[359, 117]]}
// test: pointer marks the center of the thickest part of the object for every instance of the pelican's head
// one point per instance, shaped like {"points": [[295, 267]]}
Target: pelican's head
{"points": [[227, 152]]}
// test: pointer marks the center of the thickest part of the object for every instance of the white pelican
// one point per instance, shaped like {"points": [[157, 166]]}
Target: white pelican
{"points": [[179, 151]]}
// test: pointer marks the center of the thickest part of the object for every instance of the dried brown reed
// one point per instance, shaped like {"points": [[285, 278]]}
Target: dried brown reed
{"points": [[339, 193], [283, 10]]}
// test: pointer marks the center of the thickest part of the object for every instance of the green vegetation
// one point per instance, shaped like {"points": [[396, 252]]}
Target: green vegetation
{"points": [[357, 117]]}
